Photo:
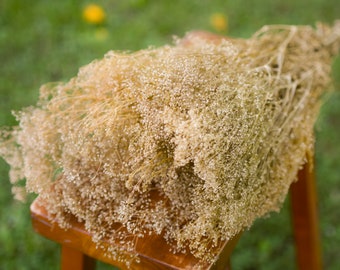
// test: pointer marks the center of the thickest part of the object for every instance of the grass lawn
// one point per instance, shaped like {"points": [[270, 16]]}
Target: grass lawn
{"points": [[43, 41]]}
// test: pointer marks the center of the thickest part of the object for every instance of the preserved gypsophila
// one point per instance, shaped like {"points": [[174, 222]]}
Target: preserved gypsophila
{"points": [[215, 129]]}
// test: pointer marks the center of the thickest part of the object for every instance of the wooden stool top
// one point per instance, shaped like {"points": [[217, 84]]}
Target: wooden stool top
{"points": [[153, 251]]}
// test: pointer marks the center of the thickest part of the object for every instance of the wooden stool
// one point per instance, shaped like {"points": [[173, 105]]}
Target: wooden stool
{"points": [[80, 253]]}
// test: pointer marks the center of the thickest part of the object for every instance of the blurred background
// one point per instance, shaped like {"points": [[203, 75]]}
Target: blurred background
{"points": [[43, 41]]}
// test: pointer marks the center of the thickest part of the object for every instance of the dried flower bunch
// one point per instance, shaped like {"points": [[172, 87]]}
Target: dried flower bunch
{"points": [[217, 128]]}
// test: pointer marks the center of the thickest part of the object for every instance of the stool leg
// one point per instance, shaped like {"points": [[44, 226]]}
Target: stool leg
{"points": [[229, 265], [72, 259], [305, 220]]}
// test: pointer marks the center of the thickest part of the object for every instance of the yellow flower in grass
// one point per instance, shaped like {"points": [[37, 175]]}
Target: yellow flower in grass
{"points": [[101, 34], [94, 14], [219, 22]]}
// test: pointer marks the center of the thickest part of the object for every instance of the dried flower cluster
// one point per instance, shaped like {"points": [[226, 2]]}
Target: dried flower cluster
{"points": [[218, 130]]}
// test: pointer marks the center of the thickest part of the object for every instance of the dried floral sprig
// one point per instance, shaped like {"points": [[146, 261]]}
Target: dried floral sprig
{"points": [[217, 127]]}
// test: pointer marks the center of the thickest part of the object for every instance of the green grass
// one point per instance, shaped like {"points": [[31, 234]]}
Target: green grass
{"points": [[42, 41]]}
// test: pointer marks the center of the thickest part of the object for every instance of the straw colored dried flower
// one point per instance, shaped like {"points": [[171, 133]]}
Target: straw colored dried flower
{"points": [[218, 128]]}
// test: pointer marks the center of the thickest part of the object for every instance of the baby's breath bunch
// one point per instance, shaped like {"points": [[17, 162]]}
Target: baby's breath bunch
{"points": [[193, 141]]}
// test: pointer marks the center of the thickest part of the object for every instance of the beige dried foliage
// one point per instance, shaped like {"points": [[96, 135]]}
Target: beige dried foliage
{"points": [[219, 129]]}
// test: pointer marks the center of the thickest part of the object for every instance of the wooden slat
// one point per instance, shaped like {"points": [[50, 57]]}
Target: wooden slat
{"points": [[153, 251]]}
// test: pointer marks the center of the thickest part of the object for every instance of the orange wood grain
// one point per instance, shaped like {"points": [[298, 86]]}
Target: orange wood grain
{"points": [[72, 259], [305, 220]]}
